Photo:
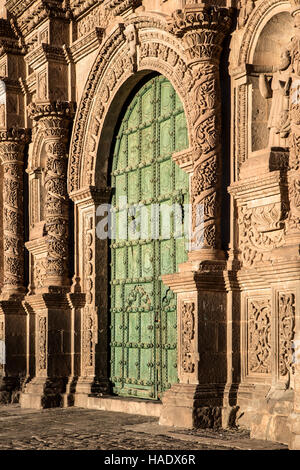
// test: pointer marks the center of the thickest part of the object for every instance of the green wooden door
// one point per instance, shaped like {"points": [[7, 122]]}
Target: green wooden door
{"points": [[143, 310]]}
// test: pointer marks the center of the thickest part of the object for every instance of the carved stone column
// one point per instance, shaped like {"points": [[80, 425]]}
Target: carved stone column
{"points": [[12, 157], [200, 285], [53, 119], [50, 306], [12, 314], [203, 29]]}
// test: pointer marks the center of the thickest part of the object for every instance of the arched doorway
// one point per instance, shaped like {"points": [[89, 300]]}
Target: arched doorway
{"points": [[147, 183]]}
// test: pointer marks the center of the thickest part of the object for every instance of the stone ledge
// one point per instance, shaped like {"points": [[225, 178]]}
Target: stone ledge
{"points": [[118, 404]]}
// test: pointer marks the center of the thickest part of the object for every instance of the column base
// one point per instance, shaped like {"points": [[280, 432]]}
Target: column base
{"points": [[12, 348], [206, 254], [42, 392], [265, 411], [294, 422], [12, 294], [192, 406], [89, 386], [10, 390]]}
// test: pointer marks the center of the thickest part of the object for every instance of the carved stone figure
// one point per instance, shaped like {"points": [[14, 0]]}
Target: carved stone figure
{"points": [[246, 8], [278, 88], [131, 37]]}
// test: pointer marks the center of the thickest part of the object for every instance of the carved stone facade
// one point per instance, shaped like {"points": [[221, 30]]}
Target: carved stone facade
{"points": [[68, 72]]}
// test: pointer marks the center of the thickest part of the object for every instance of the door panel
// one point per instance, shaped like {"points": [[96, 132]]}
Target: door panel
{"points": [[143, 310]]}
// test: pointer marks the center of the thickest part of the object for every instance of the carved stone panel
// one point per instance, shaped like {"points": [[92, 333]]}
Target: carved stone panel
{"points": [[259, 232], [188, 333], [39, 272], [89, 319], [286, 331], [42, 345], [89, 322], [259, 335]]}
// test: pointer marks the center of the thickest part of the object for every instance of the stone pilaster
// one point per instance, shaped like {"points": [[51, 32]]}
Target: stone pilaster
{"points": [[199, 284], [91, 342], [12, 313], [293, 222]]}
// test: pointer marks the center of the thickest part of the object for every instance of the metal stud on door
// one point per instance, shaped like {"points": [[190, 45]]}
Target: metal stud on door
{"points": [[147, 182]]}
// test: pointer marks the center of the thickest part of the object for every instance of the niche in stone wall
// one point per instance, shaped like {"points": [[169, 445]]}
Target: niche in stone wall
{"points": [[36, 172], [266, 57]]}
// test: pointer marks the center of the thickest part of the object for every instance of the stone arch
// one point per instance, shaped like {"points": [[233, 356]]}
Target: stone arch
{"points": [[119, 65], [123, 61], [255, 25]]}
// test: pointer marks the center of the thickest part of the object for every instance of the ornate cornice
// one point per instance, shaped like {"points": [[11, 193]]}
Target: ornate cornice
{"points": [[63, 109], [28, 14], [17, 7], [11, 85], [85, 45], [120, 7], [80, 7], [45, 53], [9, 42], [256, 185]]}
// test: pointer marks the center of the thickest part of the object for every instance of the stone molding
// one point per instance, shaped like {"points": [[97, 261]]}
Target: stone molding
{"points": [[122, 7]]}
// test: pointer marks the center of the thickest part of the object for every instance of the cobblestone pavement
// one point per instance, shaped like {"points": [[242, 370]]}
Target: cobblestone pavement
{"points": [[82, 429]]}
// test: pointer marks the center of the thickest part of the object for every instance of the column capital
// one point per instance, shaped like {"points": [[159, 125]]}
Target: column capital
{"points": [[52, 109], [12, 142], [15, 135], [53, 118], [203, 29]]}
